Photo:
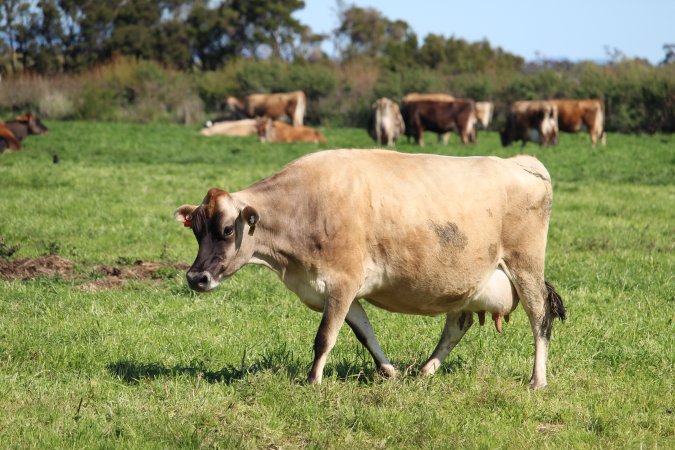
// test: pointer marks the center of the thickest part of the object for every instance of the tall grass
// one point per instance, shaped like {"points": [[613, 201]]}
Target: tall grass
{"points": [[156, 365]]}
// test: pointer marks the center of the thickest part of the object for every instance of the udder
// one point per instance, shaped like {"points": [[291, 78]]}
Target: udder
{"points": [[497, 297]]}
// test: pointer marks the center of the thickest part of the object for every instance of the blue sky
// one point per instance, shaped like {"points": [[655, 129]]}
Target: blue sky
{"points": [[572, 29]]}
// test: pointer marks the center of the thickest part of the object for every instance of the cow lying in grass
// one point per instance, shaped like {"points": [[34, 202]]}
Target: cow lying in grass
{"points": [[275, 131], [415, 234]]}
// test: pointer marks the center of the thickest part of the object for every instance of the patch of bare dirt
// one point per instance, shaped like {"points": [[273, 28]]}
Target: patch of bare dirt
{"points": [[30, 268], [105, 276]]}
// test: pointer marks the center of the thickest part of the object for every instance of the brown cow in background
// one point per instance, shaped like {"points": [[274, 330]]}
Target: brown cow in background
{"points": [[275, 131], [434, 97], [440, 117], [291, 105], [573, 114], [7, 139]]}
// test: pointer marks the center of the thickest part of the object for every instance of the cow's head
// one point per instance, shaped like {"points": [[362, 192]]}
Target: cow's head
{"points": [[264, 126], [34, 124], [224, 229]]}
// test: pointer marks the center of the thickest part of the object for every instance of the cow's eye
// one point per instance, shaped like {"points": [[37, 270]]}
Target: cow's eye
{"points": [[228, 230]]}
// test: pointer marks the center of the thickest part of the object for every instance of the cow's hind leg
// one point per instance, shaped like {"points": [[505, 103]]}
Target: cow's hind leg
{"points": [[542, 304], [359, 323], [456, 325]]}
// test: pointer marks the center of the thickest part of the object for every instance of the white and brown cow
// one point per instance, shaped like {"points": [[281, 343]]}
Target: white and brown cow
{"points": [[528, 117], [386, 122], [285, 105], [573, 114], [410, 233]]}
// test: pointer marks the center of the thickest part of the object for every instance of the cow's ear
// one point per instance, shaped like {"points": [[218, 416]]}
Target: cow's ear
{"points": [[251, 217], [184, 214]]}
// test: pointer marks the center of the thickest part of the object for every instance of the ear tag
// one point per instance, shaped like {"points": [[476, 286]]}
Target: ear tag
{"points": [[251, 222], [187, 223]]}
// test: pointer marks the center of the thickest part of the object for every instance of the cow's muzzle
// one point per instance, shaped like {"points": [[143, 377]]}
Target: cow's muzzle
{"points": [[200, 281]]}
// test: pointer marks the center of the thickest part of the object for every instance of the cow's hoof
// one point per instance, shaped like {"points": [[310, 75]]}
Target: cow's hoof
{"points": [[537, 385], [387, 371], [429, 368], [313, 380]]}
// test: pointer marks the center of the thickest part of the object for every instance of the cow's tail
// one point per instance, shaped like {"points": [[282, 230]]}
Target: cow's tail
{"points": [[555, 302]]}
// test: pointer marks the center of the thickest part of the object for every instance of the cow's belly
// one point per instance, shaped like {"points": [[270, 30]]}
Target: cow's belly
{"points": [[493, 293]]}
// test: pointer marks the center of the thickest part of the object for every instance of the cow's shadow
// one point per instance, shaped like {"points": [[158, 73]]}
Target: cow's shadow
{"points": [[133, 372]]}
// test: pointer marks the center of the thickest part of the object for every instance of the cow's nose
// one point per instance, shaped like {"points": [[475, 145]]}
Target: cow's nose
{"points": [[199, 281]]}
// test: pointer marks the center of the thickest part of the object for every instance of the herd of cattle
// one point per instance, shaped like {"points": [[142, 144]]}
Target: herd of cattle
{"points": [[537, 120], [265, 116]]}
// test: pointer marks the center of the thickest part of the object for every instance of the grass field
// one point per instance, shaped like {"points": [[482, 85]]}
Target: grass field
{"points": [[151, 364]]}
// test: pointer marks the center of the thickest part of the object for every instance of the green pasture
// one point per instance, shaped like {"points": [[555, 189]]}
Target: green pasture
{"points": [[154, 365]]}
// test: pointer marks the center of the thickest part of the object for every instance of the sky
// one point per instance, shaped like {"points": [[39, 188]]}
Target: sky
{"points": [[568, 29]]}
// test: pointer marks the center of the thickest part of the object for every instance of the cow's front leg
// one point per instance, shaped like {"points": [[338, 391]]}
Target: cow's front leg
{"points": [[359, 323], [334, 313], [456, 325]]}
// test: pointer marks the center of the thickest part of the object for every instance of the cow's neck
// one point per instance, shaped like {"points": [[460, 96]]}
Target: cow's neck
{"points": [[276, 245]]}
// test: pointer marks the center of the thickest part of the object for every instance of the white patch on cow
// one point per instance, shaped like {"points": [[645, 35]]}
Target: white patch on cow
{"points": [[209, 124], [496, 296], [308, 287]]}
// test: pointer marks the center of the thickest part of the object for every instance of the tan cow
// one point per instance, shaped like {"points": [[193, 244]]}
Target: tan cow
{"points": [[244, 127], [573, 114], [410, 233], [484, 112], [291, 105], [386, 122], [526, 117], [275, 131]]}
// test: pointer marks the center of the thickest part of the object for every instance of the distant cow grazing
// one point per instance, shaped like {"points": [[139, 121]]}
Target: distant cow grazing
{"points": [[291, 105], [573, 114], [27, 124], [14, 131], [440, 117], [526, 117], [386, 122], [244, 127], [275, 131], [410, 233]]}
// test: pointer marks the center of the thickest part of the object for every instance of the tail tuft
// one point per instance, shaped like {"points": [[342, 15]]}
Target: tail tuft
{"points": [[555, 301]]}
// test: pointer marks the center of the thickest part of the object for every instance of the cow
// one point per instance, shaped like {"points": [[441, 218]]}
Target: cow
{"points": [[386, 122], [290, 105], [24, 125], [275, 131], [484, 112], [244, 127], [573, 114], [410, 233], [7, 139], [439, 117], [526, 117], [434, 97]]}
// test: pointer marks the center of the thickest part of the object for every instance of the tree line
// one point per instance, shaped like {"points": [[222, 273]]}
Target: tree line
{"points": [[56, 36]]}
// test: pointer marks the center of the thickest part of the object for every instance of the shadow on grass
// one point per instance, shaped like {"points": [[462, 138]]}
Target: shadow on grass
{"points": [[133, 372]]}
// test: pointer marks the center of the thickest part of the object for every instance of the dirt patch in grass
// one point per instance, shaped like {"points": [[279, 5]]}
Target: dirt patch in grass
{"points": [[102, 277], [31, 268]]}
